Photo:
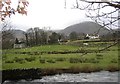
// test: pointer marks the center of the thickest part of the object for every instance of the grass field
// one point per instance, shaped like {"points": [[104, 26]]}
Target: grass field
{"points": [[45, 48], [105, 60]]}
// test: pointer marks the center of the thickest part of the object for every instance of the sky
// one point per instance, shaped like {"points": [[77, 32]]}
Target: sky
{"points": [[49, 13]]}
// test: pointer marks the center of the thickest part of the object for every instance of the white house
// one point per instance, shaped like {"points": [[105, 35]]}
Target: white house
{"points": [[22, 45], [92, 36], [19, 44], [86, 44]]}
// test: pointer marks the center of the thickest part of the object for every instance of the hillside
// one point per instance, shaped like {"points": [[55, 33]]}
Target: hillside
{"points": [[85, 27], [19, 34]]}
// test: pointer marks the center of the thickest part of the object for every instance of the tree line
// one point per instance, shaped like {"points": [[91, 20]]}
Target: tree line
{"points": [[36, 36]]}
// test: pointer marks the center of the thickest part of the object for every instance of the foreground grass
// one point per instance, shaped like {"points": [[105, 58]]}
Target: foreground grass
{"points": [[105, 60], [102, 60]]}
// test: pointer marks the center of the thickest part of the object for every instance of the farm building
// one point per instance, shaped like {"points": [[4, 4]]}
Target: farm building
{"points": [[92, 36], [19, 44]]}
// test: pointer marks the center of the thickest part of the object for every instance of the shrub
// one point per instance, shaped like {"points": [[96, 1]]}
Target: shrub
{"points": [[9, 61], [72, 69], [112, 68], [84, 60], [30, 59], [60, 59], [75, 69], [4, 57], [114, 61], [36, 53], [93, 60], [51, 61], [19, 60], [90, 68], [42, 60], [50, 71], [23, 52], [74, 60], [99, 56]]}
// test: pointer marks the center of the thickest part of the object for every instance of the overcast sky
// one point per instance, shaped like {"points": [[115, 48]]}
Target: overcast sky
{"points": [[49, 13]]}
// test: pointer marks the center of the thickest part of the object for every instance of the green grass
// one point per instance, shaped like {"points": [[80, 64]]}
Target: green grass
{"points": [[45, 48], [60, 61], [105, 61]]}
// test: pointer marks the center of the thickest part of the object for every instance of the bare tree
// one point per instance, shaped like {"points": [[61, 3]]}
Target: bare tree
{"points": [[104, 12], [7, 35], [73, 36], [30, 37]]}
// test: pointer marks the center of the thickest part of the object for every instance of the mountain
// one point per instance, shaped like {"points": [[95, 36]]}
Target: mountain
{"points": [[87, 27], [57, 31], [19, 34]]}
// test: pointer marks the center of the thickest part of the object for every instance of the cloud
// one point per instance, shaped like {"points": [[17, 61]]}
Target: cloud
{"points": [[49, 13]]}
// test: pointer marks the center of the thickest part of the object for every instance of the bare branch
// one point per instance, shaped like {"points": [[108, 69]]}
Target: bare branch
{"points": [[96, 11], [112, 4]]}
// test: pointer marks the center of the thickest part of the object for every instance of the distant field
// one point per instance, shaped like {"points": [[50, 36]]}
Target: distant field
{"points": [[105, 60], [45, 48]]}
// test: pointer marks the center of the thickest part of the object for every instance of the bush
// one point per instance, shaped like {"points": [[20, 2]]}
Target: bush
{"points": [[51, 61], [30, 59], [9, 61], [84, 60], [36, 53], [114, 61], [42, 60], [84, 69], [90, 68], [75, 69], [74, 60], [99, 56], [60, 59], [93, 60], [22, 61], [19, 60], [112, 68], [4, 57]]}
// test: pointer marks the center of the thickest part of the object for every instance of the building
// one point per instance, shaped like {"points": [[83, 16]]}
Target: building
{"points": [[17, 46], [92, 36]]}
